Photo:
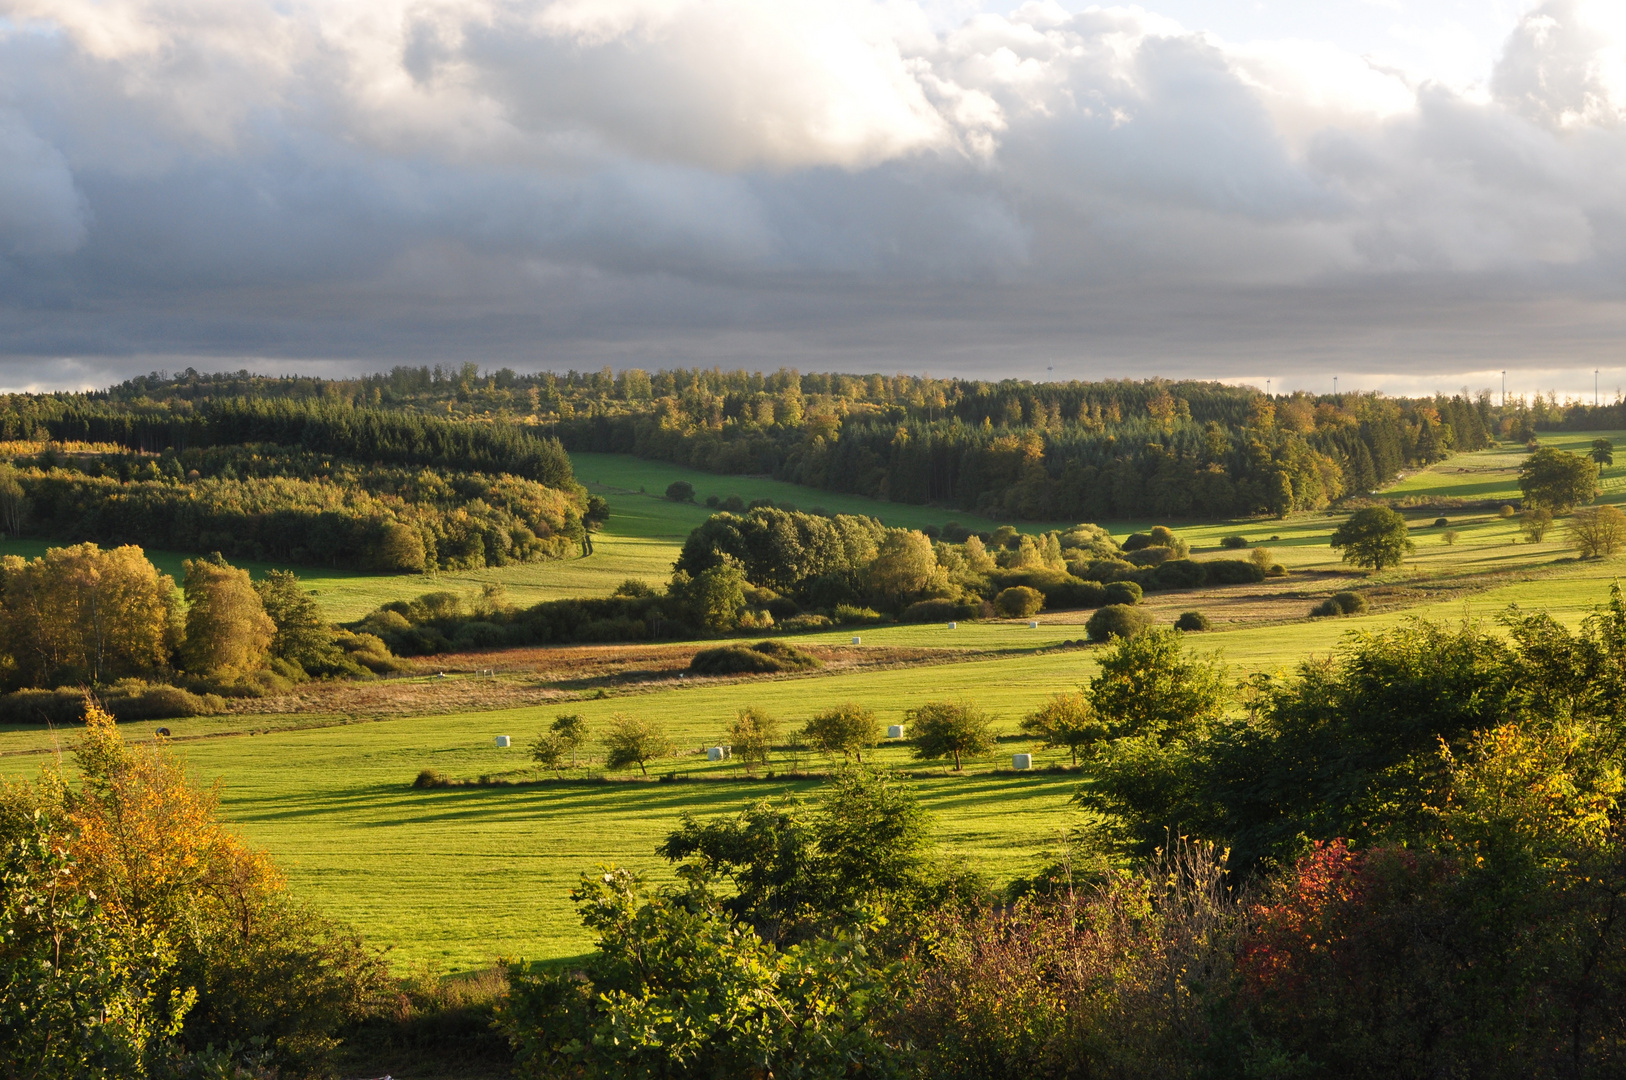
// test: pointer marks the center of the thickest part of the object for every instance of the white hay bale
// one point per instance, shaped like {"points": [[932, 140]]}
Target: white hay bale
{"points": [[1021, 761], [714, 753], [857, 640], [895, 731], [502, 740], [954, 626]]}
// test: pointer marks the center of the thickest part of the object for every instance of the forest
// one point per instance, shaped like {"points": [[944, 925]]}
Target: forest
{"points": [[307, 481]]}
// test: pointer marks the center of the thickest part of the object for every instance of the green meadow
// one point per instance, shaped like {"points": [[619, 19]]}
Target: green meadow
{"points": [[453, 877]]}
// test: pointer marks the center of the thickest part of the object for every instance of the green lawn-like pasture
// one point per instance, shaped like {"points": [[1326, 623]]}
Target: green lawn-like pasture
{"points": [[456, 876]]}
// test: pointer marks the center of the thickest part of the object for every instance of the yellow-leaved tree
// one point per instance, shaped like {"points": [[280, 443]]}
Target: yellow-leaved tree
{"points": [[149, 931], [227, 629], [81, 614]]}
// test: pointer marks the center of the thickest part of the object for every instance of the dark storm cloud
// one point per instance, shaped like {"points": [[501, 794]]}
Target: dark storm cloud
{"points": [[838, 185]]}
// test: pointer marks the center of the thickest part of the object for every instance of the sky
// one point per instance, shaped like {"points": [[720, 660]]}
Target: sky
{"points": [[1406, 196]]}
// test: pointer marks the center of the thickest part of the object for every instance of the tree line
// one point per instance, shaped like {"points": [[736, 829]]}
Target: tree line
{"points": [[1075, 450], [262, 503], [108, 621], [793, 570]]}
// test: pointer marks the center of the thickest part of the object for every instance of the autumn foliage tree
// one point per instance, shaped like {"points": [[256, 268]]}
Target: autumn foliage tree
{"points": [[82, 614], [186, 934], [227, 629]]}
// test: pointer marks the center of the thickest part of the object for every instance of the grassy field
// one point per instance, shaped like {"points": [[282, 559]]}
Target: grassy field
{"points": [[456, 876]]}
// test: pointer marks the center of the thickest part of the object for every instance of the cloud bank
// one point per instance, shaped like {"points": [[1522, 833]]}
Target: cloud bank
{"points": [[849, 184]]}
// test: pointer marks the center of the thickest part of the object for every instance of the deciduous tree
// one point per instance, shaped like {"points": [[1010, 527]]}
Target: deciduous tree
{"points": [[846, 730], [949, 729], [1557, 480], [1066, 720], [631, 740], [227, 629], [1597, 531], [1375, 536]]}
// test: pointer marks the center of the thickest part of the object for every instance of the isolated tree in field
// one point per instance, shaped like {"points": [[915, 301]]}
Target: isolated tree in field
{"points": [[1067, 721], [949, 729], [630, 740], [845, 730], [227, 629], [1375, 537], [571, 728], [1150, 687], [1603, 452], [1535, 523], [752, 735], [1596, 531], [680, 491], [1557, 480], [81, 614]]}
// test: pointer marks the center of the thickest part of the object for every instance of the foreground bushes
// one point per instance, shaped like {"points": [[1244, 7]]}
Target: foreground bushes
{"points": [[1426, 859], [138, 937]]}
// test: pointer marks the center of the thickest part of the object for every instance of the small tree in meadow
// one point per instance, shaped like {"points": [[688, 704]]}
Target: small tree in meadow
{"points": [[1603, 452], [630, 740], [1535, 524], [1065, 721], [752, 736], [846, 730], [949, 729], [548, 750], [1374, 537], [571, 730], [1596, 531]]}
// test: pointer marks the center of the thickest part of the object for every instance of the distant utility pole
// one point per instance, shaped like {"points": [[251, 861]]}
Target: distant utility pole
{"points": [[1267, 387], [1335, 386], [1594, 388], [1504, 388]]}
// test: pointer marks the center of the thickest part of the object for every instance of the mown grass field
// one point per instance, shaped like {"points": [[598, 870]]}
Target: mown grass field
{"points": [[454, 877]]}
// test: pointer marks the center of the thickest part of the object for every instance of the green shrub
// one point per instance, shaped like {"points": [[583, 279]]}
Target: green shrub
{"points": [[1153, 555], [64, 705], [1179, 574], [938, 611], [480, 635], [1019, 602], [762, 658], [848, 615], [1344, 603], [1234, 542], [431, 778], [680, 491], [1072, 592], [132, 699], [807, 622], [1123, 592], [1232, 572], [1506, 511], [1116, 620], [1440, 522], [1192, 620]]}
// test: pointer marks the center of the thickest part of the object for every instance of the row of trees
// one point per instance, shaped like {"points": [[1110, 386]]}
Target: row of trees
{"points": [[344, 515], [938, 730], [1424, 867], [770, 567], [82, 615]]}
